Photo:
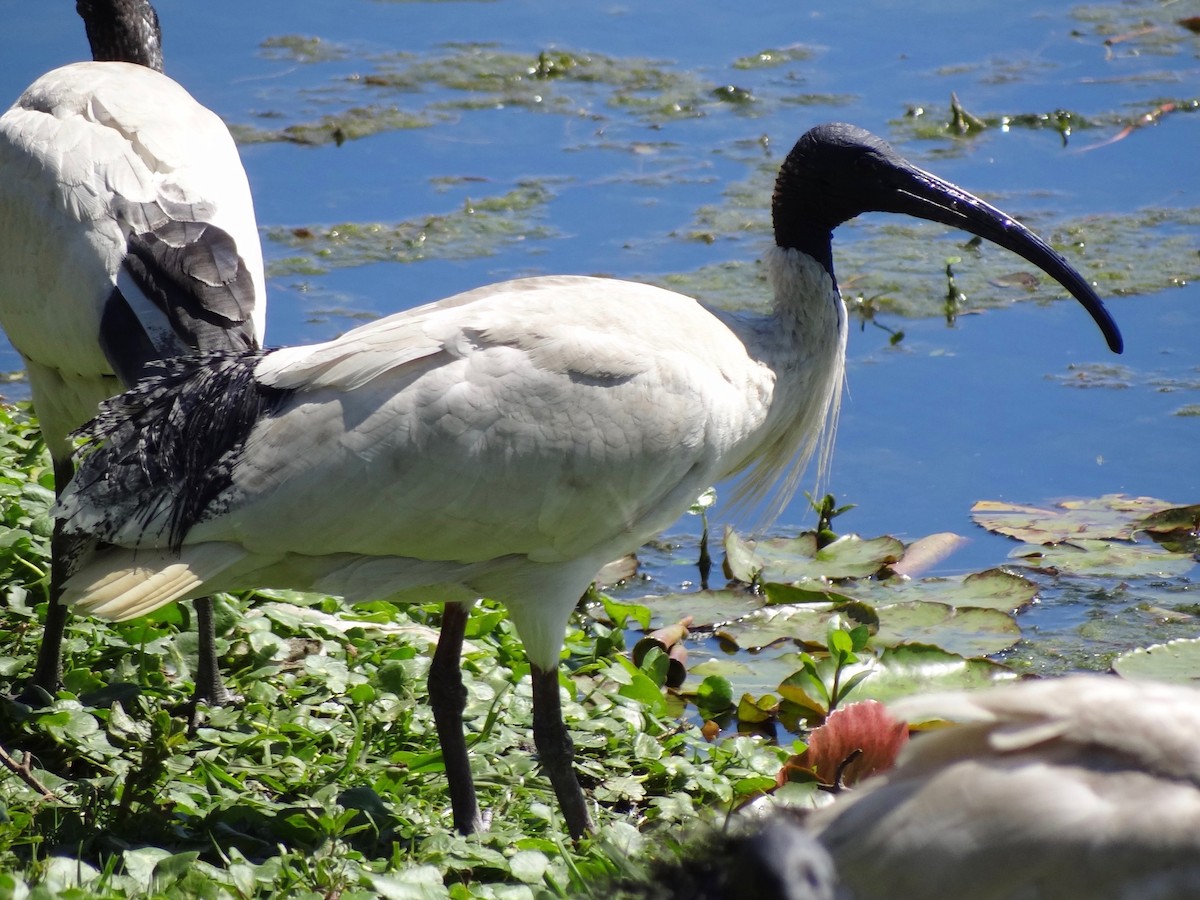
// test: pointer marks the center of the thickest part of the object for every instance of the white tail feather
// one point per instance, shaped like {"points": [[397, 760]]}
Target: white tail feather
{"points": [[121, 584]]}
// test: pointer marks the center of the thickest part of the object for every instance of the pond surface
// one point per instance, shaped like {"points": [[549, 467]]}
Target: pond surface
{"points": [[640, 140]]}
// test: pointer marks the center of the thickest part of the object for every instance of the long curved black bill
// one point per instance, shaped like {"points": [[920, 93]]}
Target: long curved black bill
{"points": [[916, 192]]}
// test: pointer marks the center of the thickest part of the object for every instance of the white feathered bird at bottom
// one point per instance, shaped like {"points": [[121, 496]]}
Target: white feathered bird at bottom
{"points": [[1058, 789], [506, 442]]}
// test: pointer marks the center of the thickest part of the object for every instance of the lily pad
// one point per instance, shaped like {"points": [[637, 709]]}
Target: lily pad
{"points": [[924, 553], [798, 559], [916, 668], [1176, 529], [808, 624], [968, 632], [742, 673], [1177, 661], [995, 589], [1117, 559], [707, 609], [1111, 516]]}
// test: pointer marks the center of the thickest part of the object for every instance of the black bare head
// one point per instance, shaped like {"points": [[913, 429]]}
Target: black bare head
{"points": [[837, 171], [123, 31]]}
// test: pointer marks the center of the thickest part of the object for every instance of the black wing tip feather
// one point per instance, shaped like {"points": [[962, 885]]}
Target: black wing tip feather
{"points": [[172, 442], [192, 273]]}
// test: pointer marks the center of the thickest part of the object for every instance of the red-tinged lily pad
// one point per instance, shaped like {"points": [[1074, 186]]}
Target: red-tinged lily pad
{"points": [[855, 742], [1173, 661], [924, 553], [1113, 516], [968, 631], [1114, 558], [1169, 521], [799, 559]]}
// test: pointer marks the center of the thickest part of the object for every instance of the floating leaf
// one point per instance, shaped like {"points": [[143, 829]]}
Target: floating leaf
{"points": [[808, 624], [915, 668], [926, 552], [1177, 660], [968, 631], [1111, 516], [802, 593], [990, 589], [1184, 519], [1092, 558], [707, 609], [797, 559], [475, 229]]}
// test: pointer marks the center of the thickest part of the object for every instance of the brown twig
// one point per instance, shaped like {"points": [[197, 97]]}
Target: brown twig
{"points": [[23, 771], [1141, 121]]}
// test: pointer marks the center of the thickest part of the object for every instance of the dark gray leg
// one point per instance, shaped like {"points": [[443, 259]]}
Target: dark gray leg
{"points": [[209, 687], [557, 752], [48, 672], [448, 698]]}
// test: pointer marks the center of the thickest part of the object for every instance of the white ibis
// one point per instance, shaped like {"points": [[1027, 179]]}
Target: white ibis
{"points": [[127, 233], [1087, 786], [506, 442]]}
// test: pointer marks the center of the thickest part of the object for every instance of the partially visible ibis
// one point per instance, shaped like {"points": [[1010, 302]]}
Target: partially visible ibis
{"points": [[127, 234], [504, 443], [1086, 786]]}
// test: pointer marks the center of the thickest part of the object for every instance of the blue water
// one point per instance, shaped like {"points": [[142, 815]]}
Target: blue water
{"points": [[952, 415]]}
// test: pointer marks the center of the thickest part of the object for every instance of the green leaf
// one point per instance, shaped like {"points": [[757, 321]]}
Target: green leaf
{"points": [[714, 694], [620, 613], [1094, 558], [635, 685], [799, 559], [756, 711], [1177, 660], [840, 643], [528, 866], [967, 632]]}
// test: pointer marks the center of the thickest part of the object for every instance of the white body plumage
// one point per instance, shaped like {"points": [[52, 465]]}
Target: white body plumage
{"points": [[505, 443]]}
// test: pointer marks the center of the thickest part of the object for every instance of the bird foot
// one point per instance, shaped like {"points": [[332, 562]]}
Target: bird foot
{"points": [[193, 708], [35, 695]]}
